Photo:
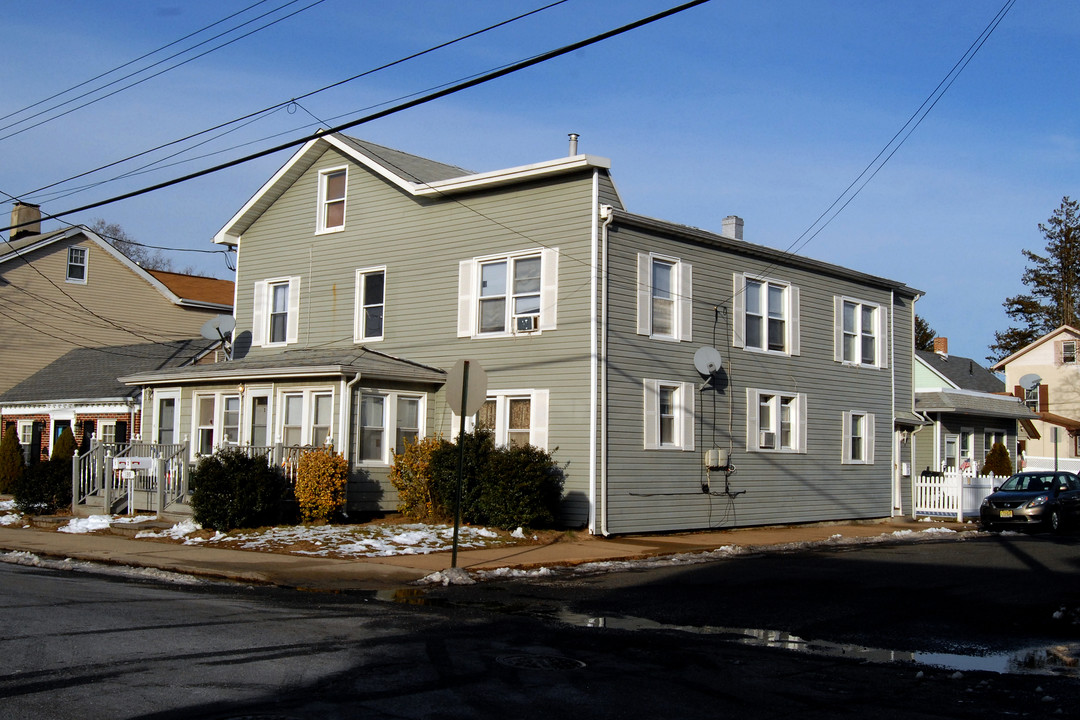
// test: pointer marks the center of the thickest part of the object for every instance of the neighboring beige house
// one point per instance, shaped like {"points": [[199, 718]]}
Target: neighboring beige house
{"points": [[69, 289], [1046, 374]]}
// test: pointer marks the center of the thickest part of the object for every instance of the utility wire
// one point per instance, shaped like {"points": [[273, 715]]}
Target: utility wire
{"points": [[150, 77], [458, 87], [259, 113]]}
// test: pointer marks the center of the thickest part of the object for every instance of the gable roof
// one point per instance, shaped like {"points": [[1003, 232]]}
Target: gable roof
{"points": [[414, 175], [91, 373], [961, 372], [1000, 364], [182, 290]]}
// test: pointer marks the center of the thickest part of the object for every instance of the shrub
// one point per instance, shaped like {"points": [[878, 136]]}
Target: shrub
{"points": [[998, 462], [411, 477], [232, 490], [504, 487], [322, 479], [12, 465], [45, 487]]}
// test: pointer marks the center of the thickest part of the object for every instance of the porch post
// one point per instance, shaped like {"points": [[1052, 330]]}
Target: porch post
{"points": [[959, 495], [159, 471]]}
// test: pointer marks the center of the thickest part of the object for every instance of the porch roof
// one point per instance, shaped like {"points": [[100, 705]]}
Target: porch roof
{"points": [[967, 402], [349, 363]]}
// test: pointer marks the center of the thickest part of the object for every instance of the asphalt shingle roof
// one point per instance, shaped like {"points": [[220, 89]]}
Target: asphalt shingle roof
{"points": [[411, 167], [964, 372]]}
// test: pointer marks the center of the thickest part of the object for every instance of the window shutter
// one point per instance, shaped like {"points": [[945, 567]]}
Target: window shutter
{"points": [[686, 302], [258, 315], [793, 326], [121, 431], [644, 294], [883, 336], [751, 420], [800, 399], [538, 421], [869, 438], [652, 414], [1044, 398], [738, 310], [686, 397], [466, 299], [845, 439], [549, 289], [292, 326], [838, 328]]}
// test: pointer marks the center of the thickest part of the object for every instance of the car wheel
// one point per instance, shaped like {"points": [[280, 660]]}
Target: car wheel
{"points": [[1054, 521]]}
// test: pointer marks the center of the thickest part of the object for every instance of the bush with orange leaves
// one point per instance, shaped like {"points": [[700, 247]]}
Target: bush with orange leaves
{"points": [[321, 480]]}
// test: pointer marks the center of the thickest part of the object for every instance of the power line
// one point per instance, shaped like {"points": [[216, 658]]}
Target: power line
{"points": [[458, 87], [258, 114]]}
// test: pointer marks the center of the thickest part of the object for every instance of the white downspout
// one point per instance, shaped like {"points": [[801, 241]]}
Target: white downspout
{"points": [[609, 216], [593, 359]]}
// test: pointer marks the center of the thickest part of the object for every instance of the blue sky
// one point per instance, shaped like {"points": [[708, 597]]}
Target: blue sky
{"points": [[767, 110]]}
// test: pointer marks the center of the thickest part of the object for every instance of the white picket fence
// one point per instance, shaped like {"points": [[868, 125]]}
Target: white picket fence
{"points": [[952, 493]]}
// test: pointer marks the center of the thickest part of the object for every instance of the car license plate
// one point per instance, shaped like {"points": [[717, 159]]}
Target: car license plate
{"points": [[1005, 513]]}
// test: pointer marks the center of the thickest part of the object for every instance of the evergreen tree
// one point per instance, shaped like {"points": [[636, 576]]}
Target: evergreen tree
{"points": [[1053, 282], [924, 334], [11, 461]]}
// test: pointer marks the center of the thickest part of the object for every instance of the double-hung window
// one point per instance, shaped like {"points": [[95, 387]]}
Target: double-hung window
{"points": [[382, 422], [370, 304], [858, 439], [508, 294], [26, 432], [859, 333], [990, 438], [276, 312], [664, 297], [76, 265], [107, 432], [306, 417], [766, 314], [669, 415], [332, 188], [1067, 350], [216, 422], [516, 417], [775, 421], [204, 419]]}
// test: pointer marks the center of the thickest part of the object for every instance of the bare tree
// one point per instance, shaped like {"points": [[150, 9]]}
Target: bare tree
{"points": [[143, 256]]}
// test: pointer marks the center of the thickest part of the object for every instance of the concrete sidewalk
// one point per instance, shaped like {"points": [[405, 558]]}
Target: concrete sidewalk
{"points": [[376, 573]]}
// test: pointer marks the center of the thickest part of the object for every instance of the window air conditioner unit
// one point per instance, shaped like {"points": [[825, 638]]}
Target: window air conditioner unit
{"points": [[527, 323], [768, 439]]}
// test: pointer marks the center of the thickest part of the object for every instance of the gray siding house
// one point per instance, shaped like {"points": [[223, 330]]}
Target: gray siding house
{"points": [[365, 273]]}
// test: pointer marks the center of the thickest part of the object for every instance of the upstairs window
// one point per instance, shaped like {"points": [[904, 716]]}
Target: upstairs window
{"points": [[76, 265], [766, 315], [276, 312], [508, 295], [665, 302], [370, 304], [332, 189], [1067, 352], [859, 333]]}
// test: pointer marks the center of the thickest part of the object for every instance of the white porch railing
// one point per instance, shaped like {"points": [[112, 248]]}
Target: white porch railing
{"points": [[951, 493], [1048, 463]]}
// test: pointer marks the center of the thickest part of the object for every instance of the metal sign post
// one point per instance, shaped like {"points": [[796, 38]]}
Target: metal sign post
{"points": [[466, 393]]}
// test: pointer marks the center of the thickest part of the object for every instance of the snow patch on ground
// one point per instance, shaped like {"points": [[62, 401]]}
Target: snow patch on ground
{"points": [[31, 560]]}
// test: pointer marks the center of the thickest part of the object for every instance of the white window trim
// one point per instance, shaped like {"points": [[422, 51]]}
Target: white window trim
{"points": [[99, 433], [218, 420], [390, 424], [538, 415], [868, 438], [85, 265], [684, 415], [792, 342], [358, 311], [28, 426], [682, 320], [798, 429], [881, 326], [469, 293], [307, 414], [260, 316], [247, 412], [160, 395], [320, 211]]}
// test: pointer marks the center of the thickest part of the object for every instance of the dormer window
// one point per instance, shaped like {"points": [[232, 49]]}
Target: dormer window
{"points": [[332, 188]]}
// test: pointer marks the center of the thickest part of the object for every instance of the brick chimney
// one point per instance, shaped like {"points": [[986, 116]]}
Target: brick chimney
{"points": [[941, 346], [22, 213], [731, 227]]}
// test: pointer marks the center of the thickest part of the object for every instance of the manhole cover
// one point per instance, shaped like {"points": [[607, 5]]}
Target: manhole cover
{"points": [[540, 662]]}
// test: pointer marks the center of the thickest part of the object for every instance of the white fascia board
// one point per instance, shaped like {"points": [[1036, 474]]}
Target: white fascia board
{"points": [[510, 175]]}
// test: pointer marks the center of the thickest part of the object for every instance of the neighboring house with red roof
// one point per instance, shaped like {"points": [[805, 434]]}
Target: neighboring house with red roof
{"points": [[69, 289]]}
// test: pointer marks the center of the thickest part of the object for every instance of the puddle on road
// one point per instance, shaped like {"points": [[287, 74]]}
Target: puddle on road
{"points": [[1061, 660]]}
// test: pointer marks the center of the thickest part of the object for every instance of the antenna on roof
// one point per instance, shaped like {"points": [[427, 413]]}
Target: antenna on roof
{"points": [[217, 328]]}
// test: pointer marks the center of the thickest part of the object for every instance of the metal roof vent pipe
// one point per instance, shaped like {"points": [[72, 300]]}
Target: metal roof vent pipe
{"points": [[573, 144], [732, 227]]}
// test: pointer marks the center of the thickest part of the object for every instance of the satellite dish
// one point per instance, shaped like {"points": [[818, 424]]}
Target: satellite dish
{"points": [[1030, 381], [217, 328], [707, 360]]}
